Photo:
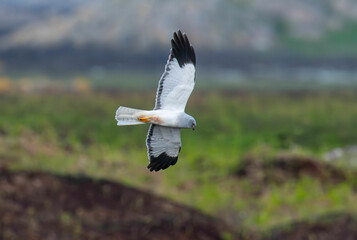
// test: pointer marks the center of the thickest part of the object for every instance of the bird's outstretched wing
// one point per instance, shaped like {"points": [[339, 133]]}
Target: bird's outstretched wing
{"points": [[164, 145], [178, 80]]}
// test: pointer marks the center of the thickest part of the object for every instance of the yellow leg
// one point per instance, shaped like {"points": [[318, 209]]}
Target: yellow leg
{"points": [[145, 119]]}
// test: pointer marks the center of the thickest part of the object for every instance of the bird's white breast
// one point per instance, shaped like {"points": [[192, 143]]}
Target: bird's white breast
{"points": [[167, 118]]}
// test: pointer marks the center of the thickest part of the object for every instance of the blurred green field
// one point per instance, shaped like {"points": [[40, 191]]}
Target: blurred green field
{"points": [[77, 134]]}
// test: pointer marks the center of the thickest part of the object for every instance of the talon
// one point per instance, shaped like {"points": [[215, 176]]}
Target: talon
{"points": [[145, 119]]}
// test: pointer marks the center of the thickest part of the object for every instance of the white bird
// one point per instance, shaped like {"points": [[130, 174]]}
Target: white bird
{"points": [[168, 117]]}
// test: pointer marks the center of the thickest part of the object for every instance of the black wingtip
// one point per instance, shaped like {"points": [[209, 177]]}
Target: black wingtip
{"points": [[161, 162], [182, 50]]}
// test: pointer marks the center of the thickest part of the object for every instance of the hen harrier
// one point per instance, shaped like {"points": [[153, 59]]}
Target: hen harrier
{"points": [[168, 117]]}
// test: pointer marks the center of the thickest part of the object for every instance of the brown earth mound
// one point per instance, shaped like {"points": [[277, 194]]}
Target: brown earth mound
{"points": [[284, 167], [35, 205], [330, 227]]}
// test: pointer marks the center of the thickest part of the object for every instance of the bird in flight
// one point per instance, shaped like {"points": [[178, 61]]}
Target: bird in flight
{"points": [[168, 117]]}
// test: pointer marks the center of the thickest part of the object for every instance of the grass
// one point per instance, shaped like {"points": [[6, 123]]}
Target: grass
{"points": [[77, 134]]}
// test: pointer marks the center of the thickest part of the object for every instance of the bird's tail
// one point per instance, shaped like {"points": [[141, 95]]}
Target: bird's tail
{"points": [[127, 116]]}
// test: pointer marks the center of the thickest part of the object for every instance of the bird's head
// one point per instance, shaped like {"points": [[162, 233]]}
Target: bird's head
{"points": [[193, 124], [187, 121]]}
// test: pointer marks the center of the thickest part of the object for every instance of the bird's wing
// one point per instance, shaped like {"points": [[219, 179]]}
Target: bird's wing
{"points": [[164, 145], [178, 80]]}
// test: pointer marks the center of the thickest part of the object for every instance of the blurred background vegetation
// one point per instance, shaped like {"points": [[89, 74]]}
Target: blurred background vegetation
{"points": [[275, 102]]}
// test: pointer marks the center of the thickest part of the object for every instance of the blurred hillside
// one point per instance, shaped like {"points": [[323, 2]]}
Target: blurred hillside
{"points": [[78, 33], [140, 25]]}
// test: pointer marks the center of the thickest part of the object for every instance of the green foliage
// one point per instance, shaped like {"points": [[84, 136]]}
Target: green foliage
{"points": [[341, 42], [77, 134]]}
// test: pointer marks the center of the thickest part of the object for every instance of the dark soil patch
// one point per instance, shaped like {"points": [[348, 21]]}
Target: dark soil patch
{"points": [[330, 227], [281, 168], [36, 205]]}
